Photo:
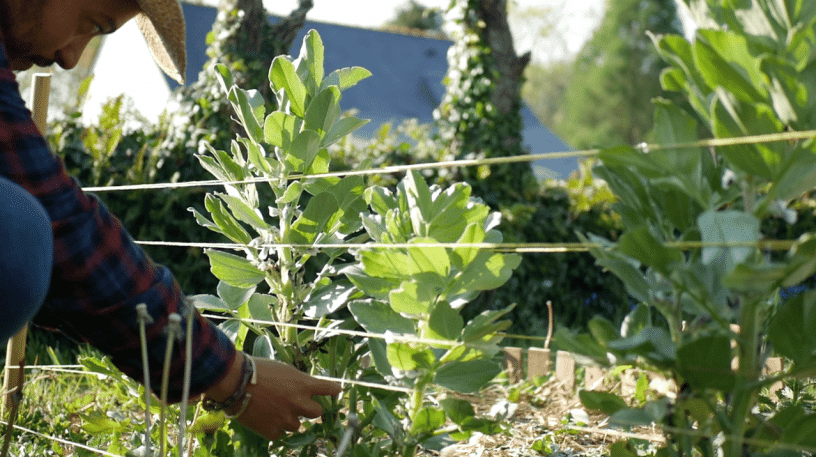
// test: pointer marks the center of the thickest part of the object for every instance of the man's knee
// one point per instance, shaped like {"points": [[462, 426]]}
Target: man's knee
{"points": [[26, 254]]}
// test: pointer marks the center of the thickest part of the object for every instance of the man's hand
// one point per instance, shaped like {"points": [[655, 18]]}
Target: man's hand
{"points": [[280, 398]]}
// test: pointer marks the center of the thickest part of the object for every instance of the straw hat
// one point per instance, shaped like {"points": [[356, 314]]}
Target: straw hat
{"points": [[162, 24]]}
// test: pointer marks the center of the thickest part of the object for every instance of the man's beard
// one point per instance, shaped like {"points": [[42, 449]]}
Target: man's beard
{"points": [[21, 20]]}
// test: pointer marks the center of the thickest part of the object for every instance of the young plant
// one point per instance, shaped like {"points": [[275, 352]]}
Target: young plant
{"points": [[285, 149], [748, 72], [417, 291]]}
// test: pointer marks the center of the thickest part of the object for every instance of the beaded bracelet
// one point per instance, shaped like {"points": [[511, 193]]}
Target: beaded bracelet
{"points": [[240, 396]]}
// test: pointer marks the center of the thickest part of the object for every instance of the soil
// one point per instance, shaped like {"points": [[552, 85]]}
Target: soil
{"points": [[549, 420]]}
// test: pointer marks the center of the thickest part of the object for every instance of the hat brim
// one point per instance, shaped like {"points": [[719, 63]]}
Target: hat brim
{"points": [[162, 24]]}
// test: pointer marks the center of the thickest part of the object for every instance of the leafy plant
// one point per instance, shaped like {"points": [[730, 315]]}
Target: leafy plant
{"points": [[292, 251], [283, 149], [752, 75], [417, 292]]}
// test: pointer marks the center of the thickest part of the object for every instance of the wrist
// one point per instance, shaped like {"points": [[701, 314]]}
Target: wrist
{"points": [[231, 394]]}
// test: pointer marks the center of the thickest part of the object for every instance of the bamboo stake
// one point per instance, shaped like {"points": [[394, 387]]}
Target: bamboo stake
{"points": [[15, 351]]}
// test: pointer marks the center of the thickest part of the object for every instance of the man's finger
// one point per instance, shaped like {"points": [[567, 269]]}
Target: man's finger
{"points": [[323, 387]]}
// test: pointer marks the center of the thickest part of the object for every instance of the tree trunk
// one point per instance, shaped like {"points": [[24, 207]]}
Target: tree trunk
{"points": [[510, 66], [259, 41]]}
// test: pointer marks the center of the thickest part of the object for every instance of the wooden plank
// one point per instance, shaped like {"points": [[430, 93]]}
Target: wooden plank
{"points": [[512, 364]]}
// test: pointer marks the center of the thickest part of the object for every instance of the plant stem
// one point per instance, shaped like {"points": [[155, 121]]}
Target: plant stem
{"points": [[747, 375]]}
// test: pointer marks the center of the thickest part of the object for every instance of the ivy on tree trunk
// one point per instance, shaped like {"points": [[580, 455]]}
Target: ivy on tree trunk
{"points": [[480, 115]]}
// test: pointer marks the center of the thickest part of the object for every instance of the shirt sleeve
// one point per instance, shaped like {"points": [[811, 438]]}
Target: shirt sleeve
{"points": [[99, 274]]}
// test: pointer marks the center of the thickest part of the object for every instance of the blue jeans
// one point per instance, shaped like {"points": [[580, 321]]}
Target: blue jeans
{"points": [[26, 253]]}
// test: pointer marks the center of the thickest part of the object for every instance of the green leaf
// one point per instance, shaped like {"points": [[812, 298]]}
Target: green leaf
{"points": [[427, 420], [98, 423], [341, 128], [283, 75], [802, 432], [377, 317], [380, 199], [728, 227], [260, 307], [792, 329], [257, 155], [312, 52], [411, 299], [466, 377], [250, 107], [418, 195], [705, 363], [315, 219], [736, 70], [630, 417], [581, 344], [486, 324], [652, 343], [636, 285], [428, 264], [462, 256], [345, 78], [732, 120], [234, 297], [401, 356], [488, 271], [445, 323], [209, 303], [303, 151], [636, 321], [384, 263], [280, 129], [457, 410], [627, 156], [327, 300], [602, 330], [235, 271], [641, 245], [605, 402], [323, 111], [243, 212], [224, 76], [374, 286], [798, 176], [225, 222], [291, 194]]}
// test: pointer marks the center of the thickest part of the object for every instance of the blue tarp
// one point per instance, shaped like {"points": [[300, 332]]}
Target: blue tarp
{"points": [[407, 76]]}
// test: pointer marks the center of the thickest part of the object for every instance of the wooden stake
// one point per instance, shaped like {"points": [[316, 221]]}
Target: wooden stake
{"points": [[565, 369], [774, 365], [538, 363], [512, 364], [15, 351], [593, 378]]}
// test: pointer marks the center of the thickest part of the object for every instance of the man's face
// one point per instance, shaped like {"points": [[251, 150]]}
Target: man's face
{"points": [[45, 32]]}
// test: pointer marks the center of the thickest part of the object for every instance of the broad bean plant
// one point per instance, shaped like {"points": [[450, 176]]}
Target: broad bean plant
{"points": [[711, 314], [416, 293], [292, 222]]}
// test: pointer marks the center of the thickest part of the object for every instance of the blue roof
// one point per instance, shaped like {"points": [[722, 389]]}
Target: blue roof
{"points": [[407, 76]]}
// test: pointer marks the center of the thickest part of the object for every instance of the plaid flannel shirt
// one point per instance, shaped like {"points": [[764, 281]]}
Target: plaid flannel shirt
{"points": [[99, 274]]}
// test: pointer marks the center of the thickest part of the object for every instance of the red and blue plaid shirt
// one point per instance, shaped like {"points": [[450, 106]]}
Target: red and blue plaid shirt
{"points": [[99, 274]]}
